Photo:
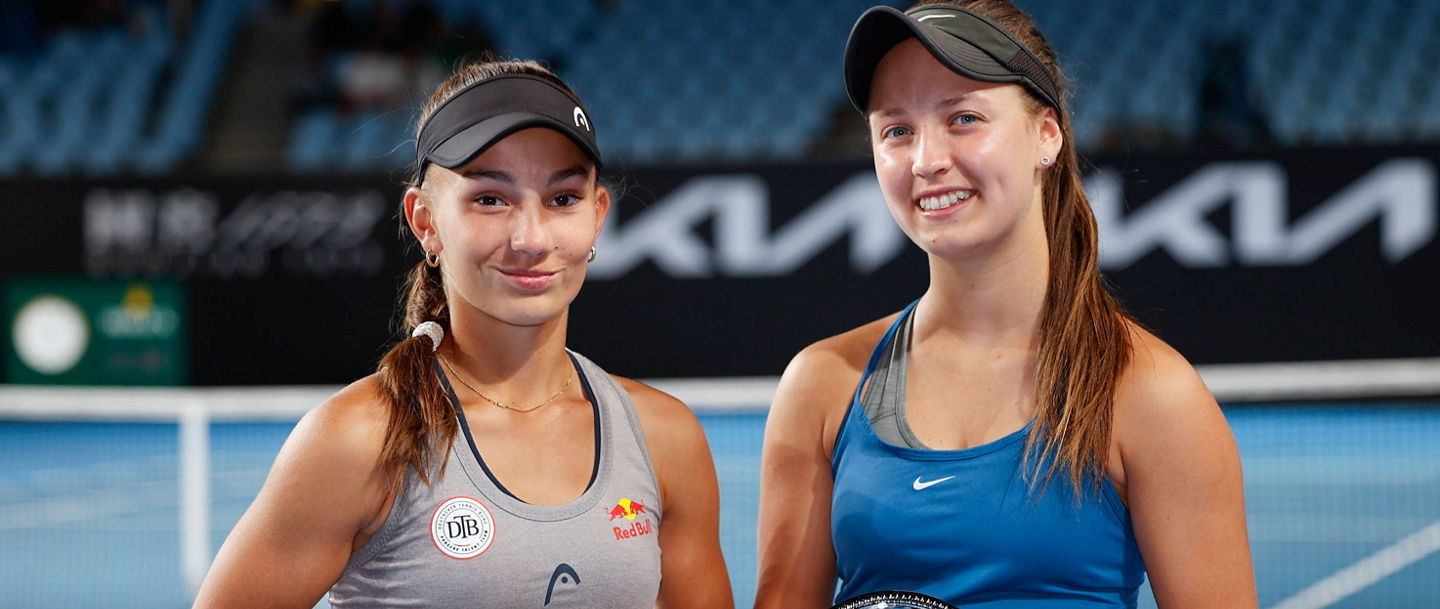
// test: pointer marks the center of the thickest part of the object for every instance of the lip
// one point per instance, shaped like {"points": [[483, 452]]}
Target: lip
{"points": [[528, 279]]}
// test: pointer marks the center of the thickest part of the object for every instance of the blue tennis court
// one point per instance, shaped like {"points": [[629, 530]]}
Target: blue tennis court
{"points": [[1343, 504]]}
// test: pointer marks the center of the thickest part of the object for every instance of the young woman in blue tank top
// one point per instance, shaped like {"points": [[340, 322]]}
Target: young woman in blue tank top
{"points": [[484, 465], [1013, 438]]}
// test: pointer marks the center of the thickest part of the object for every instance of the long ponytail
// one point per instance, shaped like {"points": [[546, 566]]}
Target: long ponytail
{"points": [[421, 420], [1084, 344]]}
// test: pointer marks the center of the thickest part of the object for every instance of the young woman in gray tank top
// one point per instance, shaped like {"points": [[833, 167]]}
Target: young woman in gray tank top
{"points": [[484, 464]]}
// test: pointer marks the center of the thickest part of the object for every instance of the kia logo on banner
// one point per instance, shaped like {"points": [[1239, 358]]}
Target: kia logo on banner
{"points": [[1400, 193], [744, 245]]}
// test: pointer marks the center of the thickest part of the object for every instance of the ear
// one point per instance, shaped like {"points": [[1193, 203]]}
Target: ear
{"points": [[422, 222], [602, 208], [1052, 137]]}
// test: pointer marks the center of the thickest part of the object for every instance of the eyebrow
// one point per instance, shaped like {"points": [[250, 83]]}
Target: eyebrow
{"points": [[498, 176], [558, 176], [569, 172], [946, 103]]}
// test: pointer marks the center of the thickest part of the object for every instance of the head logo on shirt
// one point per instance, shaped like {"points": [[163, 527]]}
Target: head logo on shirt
{"points": [[564, 574], [462, 528]]}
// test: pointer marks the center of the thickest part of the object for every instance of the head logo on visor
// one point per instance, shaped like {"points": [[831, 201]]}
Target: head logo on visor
{"points": [[967, 43], [485, 112]]}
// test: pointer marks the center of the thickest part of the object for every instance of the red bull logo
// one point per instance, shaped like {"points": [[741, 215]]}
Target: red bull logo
{"points": [[634, 530], [627, 509]]}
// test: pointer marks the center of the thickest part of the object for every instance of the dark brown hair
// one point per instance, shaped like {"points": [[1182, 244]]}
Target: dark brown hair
{"points": [[1084, 343], [421, 420]]}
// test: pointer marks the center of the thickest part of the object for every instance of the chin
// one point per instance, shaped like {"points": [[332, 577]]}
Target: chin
{"points": [[528, 316], [952, 251], [950, 242]]}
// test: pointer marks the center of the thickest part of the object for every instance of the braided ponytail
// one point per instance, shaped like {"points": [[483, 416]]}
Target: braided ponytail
{"points": [[421, 421]]}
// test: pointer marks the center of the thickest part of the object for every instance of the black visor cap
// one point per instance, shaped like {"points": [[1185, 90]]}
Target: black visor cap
{"points": [[967, 43], [479, 116]]}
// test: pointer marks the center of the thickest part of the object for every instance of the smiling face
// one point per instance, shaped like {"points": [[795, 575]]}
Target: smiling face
{"points": [[512, 227], [959, 160]]}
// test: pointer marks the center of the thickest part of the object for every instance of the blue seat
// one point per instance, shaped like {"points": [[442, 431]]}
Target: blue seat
{"points": [[313, 141]]}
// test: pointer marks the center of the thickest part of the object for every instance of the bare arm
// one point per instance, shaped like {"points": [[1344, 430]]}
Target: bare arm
{"points": [[692, 569], [797, 559], [1183, 484], [324, 489]]}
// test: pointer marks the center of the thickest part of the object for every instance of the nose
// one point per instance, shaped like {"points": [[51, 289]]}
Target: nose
{"points": [[530, 231], [933, 156]]}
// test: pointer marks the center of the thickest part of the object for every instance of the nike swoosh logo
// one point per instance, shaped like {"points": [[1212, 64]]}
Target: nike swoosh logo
{"points": [[920, 486]]}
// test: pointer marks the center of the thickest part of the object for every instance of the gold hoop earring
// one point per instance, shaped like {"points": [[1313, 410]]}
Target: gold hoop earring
{"points": [[591, 257], [432, 260]]}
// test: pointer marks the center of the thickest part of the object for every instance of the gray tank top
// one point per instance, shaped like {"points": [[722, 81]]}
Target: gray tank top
{"points": [[465, 541], [884, 397]]}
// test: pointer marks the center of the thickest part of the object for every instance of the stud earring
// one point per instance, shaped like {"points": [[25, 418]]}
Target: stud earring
{"points": [[1045, 160]]}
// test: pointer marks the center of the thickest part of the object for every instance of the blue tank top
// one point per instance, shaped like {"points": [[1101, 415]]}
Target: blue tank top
{"points": [[964, 526]]}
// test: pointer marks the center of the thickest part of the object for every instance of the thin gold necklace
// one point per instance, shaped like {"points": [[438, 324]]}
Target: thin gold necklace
{"points": [[496, 402]]}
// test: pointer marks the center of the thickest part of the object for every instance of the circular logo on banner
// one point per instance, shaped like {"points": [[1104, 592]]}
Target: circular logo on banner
{"points": [[51, 334], [462, 528]]}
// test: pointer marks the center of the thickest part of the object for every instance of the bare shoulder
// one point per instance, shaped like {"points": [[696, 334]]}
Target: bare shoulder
{"points": [[678, 449], [833, 366], [816, 388], [848, 350], [672, 432], [360, 404], [659, 409], [1158, 380], [349, 426], [1163, 411]]}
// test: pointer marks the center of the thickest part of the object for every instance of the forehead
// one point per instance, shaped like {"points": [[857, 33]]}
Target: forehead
{"points": [[908, 74], [531, 147], [530, 157]]}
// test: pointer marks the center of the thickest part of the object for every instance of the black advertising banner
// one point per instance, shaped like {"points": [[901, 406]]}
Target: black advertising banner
{"points": [[1292, 256], [289, 281]]}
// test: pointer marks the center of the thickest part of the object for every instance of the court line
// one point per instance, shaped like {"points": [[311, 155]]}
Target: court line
{"points": [[1369, 570]]}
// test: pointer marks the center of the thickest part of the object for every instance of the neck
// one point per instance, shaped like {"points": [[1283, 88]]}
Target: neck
{"points": [[994, 297], [519, 364]]}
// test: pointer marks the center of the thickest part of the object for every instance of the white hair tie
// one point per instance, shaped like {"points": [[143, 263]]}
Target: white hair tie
{"points": [[432, 330]]}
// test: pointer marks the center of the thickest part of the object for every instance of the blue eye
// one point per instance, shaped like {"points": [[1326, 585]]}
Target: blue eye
{"points": [[967, 119], [896, 132]]}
